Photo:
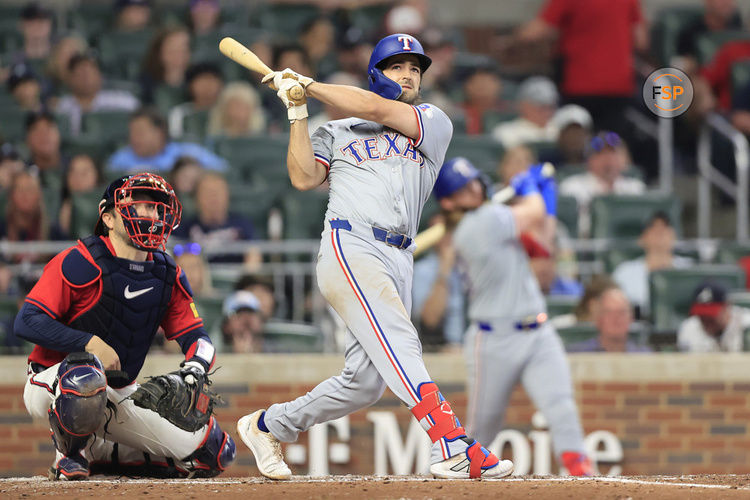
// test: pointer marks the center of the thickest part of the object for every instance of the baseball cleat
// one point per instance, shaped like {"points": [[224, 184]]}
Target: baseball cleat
{"points": [[73, 468], [577, 464], [265, 447], [469, 464]]}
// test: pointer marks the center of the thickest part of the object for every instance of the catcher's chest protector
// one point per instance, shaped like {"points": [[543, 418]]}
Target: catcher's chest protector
{"points": [[134, 299]]}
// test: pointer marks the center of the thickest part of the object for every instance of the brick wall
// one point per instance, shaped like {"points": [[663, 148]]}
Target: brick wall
{"points": [[667, 425]]}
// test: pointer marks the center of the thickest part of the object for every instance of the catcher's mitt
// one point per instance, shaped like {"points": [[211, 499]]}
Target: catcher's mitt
{"points": [[187, 405]]}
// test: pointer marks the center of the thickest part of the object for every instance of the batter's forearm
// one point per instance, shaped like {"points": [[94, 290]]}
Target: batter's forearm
{"points": [[350, 101], [304, 172]]}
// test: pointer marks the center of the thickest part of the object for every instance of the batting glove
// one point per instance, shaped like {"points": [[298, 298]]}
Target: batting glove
{"points": [[275, 77], [524, 184], [547, 187], [296, 110]]}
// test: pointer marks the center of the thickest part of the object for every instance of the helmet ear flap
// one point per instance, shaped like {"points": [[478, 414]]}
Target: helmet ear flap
{"points": [[382, 85]]}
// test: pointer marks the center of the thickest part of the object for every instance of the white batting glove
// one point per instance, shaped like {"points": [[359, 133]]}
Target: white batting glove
{"points": [[277, 76], [295, 109]]}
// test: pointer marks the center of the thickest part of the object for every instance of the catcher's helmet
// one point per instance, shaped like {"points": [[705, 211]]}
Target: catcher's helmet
{"points": [[400, 43], [454, 174], [146, 232]]}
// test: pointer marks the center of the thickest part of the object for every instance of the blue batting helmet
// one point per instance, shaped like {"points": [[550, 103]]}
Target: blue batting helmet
{"points": [[454, 174], [400, 43]]}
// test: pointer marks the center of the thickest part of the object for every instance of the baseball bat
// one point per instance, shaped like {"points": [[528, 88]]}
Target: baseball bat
{"points": [[245, 57], [430, 236]]}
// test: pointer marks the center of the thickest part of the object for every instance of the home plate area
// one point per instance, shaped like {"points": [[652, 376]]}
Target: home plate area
{"points": [[417, 487]]}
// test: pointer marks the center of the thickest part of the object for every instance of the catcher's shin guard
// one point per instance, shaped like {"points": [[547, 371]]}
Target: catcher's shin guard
{"points": [[214, 455], [443, 424], [79, 409]]}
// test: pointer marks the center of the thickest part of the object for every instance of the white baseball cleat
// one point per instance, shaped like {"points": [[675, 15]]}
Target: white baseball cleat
{"points": [[265, 447], [460, 466]]}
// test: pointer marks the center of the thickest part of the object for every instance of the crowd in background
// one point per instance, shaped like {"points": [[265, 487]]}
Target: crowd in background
{"points": [[109, 88]]}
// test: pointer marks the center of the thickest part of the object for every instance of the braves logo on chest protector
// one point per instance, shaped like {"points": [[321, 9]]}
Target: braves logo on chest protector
{"points": [[132, 304]]}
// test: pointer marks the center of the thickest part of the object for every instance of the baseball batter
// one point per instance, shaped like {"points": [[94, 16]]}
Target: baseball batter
{"points": [[98, 306], [509, 338], [381, 166]]}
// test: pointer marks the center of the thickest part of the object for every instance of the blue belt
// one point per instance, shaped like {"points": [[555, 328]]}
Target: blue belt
{"points": [[529, 323], [388, 237]]}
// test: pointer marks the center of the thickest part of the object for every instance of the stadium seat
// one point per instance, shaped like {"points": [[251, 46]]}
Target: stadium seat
{"points": [[194, 125], [666, 28], [82, 217], [166, 97], [253, 202], [51, 197], [567, 214], [482, 150], [577, 333], [709, 43], [729, 252], [121, 53], [91, 18], [284, 19], [13, 123], [106, 126], [672, 291], [249, 156], [622, 217], [303, 213], [281, 336], [368, 18], [95, 148], [492, 119], [559, 305], [210, 309]]}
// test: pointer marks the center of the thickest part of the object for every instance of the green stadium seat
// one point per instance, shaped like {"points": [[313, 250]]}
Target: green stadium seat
{"points": [[91, 17], [740, 298], [279, 336], [492, 119], [577, 333], [209, 308], [567, 214], [52, 195], [13, 124], [729, 252], [122, 53], [250, 156], [622, 217], [303, 213], [482, 150], [368, 18], [666, 28], [194, 125], [166, 97], [83, 217], [91, 146], [284, 19], [107, 126], [559, 305], [254, 202], [709, 43], [672, 290]]}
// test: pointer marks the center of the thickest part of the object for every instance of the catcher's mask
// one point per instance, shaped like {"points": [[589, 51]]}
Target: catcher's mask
{"points": [[160, 209]]}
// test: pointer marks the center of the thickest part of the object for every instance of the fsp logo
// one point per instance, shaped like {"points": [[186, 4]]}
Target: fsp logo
{"points": [[668, 92]]}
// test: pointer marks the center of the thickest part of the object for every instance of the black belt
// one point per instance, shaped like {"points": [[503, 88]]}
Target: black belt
{"points": [[528, 323], [388, 237]]}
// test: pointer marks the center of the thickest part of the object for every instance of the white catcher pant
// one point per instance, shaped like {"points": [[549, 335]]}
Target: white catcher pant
{"points": [[368, 283], [497, 360], [137, 430]]}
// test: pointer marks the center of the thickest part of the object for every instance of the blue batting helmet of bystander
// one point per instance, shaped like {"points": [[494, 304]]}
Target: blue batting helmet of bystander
{"points": [[454, 174], [392, 45]]}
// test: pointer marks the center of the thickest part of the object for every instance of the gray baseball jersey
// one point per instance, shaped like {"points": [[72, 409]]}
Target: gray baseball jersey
{"points": [[496, 268], [499, 351], [378, 176]]}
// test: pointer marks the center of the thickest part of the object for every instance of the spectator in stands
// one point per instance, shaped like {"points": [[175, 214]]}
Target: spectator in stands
{"points": [[714, 324], [514, 160], [214, 224], [330, 113], [740, 113], [43, 143], [537, 103], [291, 56], [607, 161], [585, 310], [204, 83], [25, 215], [242, 323], [718, 15], [10, 343], [237, 113], [10, 164], [317, 38], [482, 90], [406, 17], [81, 176], [595, 40], [204, 16], [166, 62], [353, 52], [613, 317], [86, 93], [132, 15], [25, 87], [439, 85], [657, 240], [438, 301], [57, 64], [574, 126], [262, 288], [185, 174], [149, 145], [190, 259], [714, 86], [36, 29]]}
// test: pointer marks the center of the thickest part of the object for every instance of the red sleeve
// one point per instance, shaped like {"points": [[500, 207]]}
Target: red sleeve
{"points": [[56, 296], [717, 70], [181, 316], [636, 17], [553, 12]]}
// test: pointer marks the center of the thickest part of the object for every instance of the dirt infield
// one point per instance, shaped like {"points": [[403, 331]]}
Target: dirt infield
{"points": [[354, 487]]}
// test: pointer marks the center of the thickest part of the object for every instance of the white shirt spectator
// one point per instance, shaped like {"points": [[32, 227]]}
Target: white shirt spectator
{"points": [[522, 131], [692, 337], [105, 100], [632, 277]]}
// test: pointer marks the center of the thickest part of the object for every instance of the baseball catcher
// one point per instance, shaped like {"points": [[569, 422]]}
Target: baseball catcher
{"points": [[93, 315]]}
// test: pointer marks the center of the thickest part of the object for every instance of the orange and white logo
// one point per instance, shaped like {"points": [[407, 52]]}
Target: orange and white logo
{"points": [[668, 92]]}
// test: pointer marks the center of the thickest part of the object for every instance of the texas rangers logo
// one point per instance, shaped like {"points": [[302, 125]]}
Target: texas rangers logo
{"points": [[406, 40]]}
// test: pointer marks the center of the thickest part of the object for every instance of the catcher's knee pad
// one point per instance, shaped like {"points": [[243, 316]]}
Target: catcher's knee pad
{"points": [[440, 420], [214, 455], [79, 409]]}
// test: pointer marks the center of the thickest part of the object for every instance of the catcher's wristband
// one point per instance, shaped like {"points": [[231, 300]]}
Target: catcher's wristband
{"points": [[295, 113]]}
